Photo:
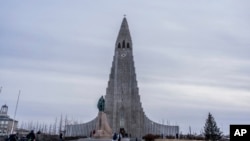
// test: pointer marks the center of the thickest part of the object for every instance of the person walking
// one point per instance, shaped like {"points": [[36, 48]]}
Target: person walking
{"points": [[114, 137], [31, 136], [119, 137], [12, 137], [61, 137]]}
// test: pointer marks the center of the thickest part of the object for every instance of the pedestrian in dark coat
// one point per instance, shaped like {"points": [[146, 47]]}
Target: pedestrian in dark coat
{"points": [[114, 136], [13, 137], [31, 136], [61, 137]]}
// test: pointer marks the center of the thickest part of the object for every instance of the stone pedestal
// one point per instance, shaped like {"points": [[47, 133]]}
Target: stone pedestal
{"points": [[103, 130]]}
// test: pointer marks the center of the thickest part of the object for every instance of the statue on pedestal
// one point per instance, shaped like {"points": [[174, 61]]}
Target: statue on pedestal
{"points": [[103, 130], [101, 104]]}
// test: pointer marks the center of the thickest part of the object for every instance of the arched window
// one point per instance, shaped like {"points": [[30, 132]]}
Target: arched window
{"points": [[119, 45], [123, 44], [127, 45]]}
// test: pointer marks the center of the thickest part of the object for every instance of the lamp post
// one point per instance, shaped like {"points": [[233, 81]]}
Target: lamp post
{"points": [[15, 113]]}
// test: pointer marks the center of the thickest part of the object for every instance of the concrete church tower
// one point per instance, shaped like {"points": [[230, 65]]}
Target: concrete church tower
{"points": [[122, 100], [123, 106]]}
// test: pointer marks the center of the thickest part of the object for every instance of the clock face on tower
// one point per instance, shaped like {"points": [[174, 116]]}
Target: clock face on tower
{"points": [[123, 54]]}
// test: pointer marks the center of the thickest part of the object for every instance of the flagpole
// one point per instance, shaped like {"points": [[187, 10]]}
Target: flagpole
{"points": [[15, 113]]}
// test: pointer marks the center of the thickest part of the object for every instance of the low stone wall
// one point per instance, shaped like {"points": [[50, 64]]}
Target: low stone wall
{"points": [[126, 139], [90, 139]]}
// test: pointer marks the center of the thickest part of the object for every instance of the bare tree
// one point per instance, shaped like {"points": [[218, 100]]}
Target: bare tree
{"points": [[55, 127], [60, 124], [50, 129]]}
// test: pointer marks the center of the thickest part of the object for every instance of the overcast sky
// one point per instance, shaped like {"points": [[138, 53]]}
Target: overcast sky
{"points": [[191, 58]]}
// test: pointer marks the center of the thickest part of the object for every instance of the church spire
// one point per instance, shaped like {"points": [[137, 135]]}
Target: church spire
{"points": [[124, 38]]}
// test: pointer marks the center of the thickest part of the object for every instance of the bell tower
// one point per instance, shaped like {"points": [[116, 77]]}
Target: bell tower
{"points": [[123, 106], [4, 110]]}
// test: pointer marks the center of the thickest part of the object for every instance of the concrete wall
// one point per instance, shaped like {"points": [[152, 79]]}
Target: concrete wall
{"points": [[81, 129], [149, 127], [156, 128]]}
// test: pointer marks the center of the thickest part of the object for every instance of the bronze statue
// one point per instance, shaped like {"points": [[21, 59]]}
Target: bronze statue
{"points": [[101, 104]]}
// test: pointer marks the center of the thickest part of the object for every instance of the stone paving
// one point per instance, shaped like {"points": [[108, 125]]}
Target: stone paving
{"points": [[90, 139]]}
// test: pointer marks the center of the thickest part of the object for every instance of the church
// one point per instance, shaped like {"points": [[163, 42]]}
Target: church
{"points": [[122, 100]]}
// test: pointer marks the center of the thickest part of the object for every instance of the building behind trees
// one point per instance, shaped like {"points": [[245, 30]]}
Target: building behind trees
{"points": [[6, 122]]}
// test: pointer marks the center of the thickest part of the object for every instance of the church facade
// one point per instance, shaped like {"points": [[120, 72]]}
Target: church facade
{"points": [[122, 100]]}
